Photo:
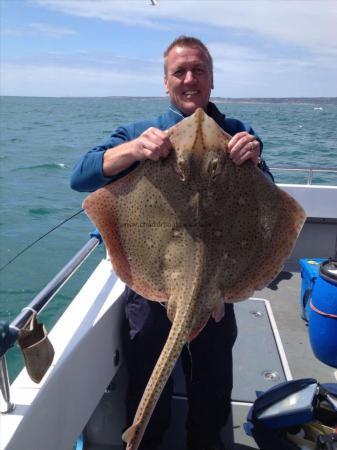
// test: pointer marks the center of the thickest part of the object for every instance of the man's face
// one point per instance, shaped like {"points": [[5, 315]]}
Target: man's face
{"points": [[188, 78]]}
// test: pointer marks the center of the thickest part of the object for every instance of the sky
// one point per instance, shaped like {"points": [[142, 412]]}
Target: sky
{"points": [[93, 48]]}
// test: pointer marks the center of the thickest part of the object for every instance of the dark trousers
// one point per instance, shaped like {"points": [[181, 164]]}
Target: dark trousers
{"points": [[207, 365]]}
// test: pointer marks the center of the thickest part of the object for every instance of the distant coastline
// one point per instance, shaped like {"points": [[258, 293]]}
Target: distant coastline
{"points": [[255, 100], [295, 100]]}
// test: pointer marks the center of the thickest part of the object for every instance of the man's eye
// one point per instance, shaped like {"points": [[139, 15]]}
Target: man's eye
{"points": [[178, 73]]}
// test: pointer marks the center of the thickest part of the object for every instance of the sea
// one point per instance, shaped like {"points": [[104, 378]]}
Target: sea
{"points": [[42, 138]]}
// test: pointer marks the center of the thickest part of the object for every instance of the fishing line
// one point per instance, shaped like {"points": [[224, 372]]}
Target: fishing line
{"points": [[39, 239]]}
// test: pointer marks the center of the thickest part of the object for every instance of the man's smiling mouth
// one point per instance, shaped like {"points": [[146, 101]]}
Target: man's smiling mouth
{"points": [[190, 93]]}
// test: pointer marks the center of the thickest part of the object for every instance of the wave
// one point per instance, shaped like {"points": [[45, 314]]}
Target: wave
{"points": [[41, 211], [13, 140], [18, 291], [48, 166]]}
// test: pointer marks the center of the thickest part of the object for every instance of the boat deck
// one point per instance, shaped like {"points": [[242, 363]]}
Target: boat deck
{"points": [[284, 296], [250, 373]]}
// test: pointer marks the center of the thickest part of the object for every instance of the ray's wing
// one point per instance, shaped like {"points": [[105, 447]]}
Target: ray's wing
{"points": [[141, 220], [260, 224], [134, 221]]}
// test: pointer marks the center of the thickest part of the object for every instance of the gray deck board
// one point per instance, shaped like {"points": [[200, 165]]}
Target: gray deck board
{"points": [[255, 354], [284, 297]]}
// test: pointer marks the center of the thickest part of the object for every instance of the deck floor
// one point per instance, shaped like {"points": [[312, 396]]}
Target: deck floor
{"points": [[284, 297]]}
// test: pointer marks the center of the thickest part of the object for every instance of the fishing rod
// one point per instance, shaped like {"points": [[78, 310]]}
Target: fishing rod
{"points": [[39, 239]]}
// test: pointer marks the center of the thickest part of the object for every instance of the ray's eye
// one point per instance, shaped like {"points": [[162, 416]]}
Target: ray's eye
{"points": [[182, 168], [214, 168]]}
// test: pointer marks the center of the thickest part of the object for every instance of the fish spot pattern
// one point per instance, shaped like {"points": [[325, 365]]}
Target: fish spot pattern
{"points": [[189, 230]]}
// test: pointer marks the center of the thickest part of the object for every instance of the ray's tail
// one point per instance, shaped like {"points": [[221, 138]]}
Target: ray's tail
{"points": [[177, 338]]}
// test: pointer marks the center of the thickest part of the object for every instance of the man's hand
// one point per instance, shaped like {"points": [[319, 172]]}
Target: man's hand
{"points": [[244, 146], [152, 144]]}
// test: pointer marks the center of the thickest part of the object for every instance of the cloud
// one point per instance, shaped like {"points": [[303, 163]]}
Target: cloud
{"points": [[38, 29], [81, 58], [88, 74], [63, 80], [247, 71], [308, 23], [46, 29], [126, 12], [260, 48]]}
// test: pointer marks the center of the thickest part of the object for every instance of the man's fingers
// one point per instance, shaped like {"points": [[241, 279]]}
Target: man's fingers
{"points": [[240, 159], [244, 146], [150, 154], [155, 144], [239, 140]]}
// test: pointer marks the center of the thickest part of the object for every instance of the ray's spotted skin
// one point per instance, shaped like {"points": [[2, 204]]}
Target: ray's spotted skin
{"points": [[193, 230]]}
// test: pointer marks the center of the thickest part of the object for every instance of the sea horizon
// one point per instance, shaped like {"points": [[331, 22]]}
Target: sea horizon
{"points": [[298, 100]]}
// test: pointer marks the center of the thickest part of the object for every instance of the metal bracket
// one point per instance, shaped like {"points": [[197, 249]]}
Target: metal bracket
{"points": [[4, 387]]}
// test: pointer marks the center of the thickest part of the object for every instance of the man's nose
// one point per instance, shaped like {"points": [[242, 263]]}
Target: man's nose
{"points": [[189, 77]]}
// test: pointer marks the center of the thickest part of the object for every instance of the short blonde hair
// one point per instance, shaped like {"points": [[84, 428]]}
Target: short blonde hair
{"points": [[187, 41]]}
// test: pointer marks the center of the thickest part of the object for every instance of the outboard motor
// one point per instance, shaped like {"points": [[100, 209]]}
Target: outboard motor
{"points": [[323, 314]]}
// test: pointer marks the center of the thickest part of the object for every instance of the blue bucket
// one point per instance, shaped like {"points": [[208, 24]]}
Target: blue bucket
{"points": [[309, 273], [323, 314]]}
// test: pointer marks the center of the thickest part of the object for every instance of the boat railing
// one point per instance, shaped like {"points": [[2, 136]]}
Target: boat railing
{"points": [[309, 171], [9, 332]]}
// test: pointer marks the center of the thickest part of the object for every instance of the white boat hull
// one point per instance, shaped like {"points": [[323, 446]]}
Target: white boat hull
{"points": [[52, 414]]}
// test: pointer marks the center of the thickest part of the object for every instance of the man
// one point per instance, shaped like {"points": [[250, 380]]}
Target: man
{"points": [[207, 361]]}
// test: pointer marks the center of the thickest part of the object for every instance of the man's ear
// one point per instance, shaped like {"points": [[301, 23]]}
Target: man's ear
{"points": [[165, 84]]}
